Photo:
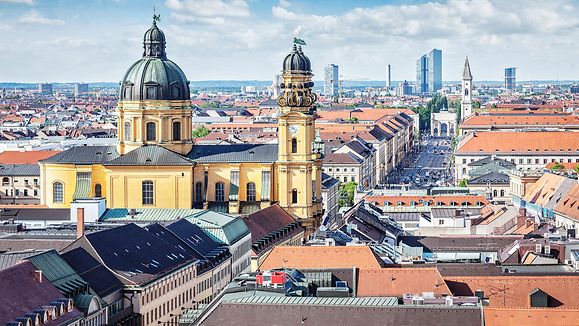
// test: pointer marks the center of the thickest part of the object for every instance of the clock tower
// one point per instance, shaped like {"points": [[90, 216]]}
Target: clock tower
{"points": [[299, 155]]}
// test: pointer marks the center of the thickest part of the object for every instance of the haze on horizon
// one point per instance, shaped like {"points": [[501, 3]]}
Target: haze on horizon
{"points": [[68, 40]]}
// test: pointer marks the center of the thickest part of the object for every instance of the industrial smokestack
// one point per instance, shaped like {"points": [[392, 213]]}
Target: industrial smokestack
{"points": [[389, 84]]}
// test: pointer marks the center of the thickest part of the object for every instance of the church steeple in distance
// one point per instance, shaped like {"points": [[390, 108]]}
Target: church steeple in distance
{"points": [[466, 72], [466, 102]]}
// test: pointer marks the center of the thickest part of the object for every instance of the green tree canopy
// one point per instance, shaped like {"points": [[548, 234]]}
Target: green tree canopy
{"points": [[346, 193], [200, 132]]}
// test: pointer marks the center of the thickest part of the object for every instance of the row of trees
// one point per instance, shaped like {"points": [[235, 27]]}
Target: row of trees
{"points": [[435, 105]]}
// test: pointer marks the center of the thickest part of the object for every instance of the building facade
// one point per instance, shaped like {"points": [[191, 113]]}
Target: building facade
{"points": [[331, 80], [155, 164], [510, 79]]}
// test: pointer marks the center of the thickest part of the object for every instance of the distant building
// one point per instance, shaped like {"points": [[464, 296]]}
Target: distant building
{"points": [[45, 88], [331, 80], [574, 89], [434, 71], [80, 89], [466, 102], [510, 79], [404, 88], [277, 80], [429, 72], [421, 74]]}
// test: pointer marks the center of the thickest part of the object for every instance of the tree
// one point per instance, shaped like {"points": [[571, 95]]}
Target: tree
{"points": [[577, 168], [558, 166], [346, 193], [476, 105], [200, 132], [463, 183]]}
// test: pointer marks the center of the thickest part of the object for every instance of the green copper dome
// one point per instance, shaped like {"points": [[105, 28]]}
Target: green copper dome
{"points": [[154, 77]]}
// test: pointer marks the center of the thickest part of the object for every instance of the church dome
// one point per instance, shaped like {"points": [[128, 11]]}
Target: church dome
{"points": [[297, 61], [154, 77]]}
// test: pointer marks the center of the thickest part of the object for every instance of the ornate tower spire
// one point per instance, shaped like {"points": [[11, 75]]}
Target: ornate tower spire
{"points": [[466, 72], [154, 41], [299, 151]]}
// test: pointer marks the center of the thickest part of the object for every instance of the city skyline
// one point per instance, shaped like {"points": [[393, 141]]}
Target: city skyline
{"points": [[239, 40]]}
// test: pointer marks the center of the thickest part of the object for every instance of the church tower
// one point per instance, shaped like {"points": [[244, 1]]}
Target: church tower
{"points": [[466, 103], [154, 103], [299, 155]]}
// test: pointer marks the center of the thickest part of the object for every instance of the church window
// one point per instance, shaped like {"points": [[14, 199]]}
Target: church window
{"points": [[127, 131], [265, 185], [57, 192], [151, 131], [198, 192], [176, 130], [219, 192], [175, 92], [503, 193], [5, 181], [494, 193], [147, 192], [294, 196], [250, 192], [151, 92], [294, 145], [466, 91], [98, 191]]}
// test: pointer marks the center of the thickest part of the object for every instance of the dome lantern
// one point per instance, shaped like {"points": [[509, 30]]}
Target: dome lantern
{"points": [[154, 42]]}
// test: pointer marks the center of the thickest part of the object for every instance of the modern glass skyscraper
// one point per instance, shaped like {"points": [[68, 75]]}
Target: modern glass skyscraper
{"points": [[429, 72], [510, 79], [422, 75], [331, 80]]}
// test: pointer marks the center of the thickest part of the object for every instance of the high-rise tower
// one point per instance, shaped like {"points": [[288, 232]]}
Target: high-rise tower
{"points": [[299, 160], [466, 103], [154, 103]]}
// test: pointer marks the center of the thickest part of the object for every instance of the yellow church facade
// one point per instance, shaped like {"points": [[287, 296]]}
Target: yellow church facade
{"points": [[156, 165]]}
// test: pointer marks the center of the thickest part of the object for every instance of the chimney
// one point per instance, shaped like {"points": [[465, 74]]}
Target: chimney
{"points": [[79, 222], [521, 220], [529, 222], [38, 275]]}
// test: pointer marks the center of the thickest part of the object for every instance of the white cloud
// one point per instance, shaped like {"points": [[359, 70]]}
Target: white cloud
{"points": [[24, 2], [207, 11], [34, 17]]}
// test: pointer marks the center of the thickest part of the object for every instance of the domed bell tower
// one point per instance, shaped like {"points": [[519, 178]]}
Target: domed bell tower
{"points": [[299, 159], [154, 103]]}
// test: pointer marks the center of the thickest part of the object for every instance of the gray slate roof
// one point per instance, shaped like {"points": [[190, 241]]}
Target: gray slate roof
{"points": [[236, 153], [151, 155], [492, 177], [84, 155], [19, 170]]}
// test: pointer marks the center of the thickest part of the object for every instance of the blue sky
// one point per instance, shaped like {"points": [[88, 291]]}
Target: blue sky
{"points": [[84, 40]]}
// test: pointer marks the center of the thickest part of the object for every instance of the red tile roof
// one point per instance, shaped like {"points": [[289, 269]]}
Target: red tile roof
{"points": [[432, 200], [530, 316], [28, 157], [513, 142], [397, 281], [308, 257], [526, 119]]}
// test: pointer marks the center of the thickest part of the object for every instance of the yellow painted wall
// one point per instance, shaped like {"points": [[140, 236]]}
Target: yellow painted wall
{"points": [[51, 173], [172, 186]]}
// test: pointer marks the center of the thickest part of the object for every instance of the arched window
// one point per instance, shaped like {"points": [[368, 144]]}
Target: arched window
{"points": [[58, 192], [98, 191], [294, 145], [250, 192], [176, 130], [5, 181], [147, 192], [198, 192], [219, 192], [151, 131], [294, 196], [503, 193], [466, 91], [127, 130], [494, 193]]}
